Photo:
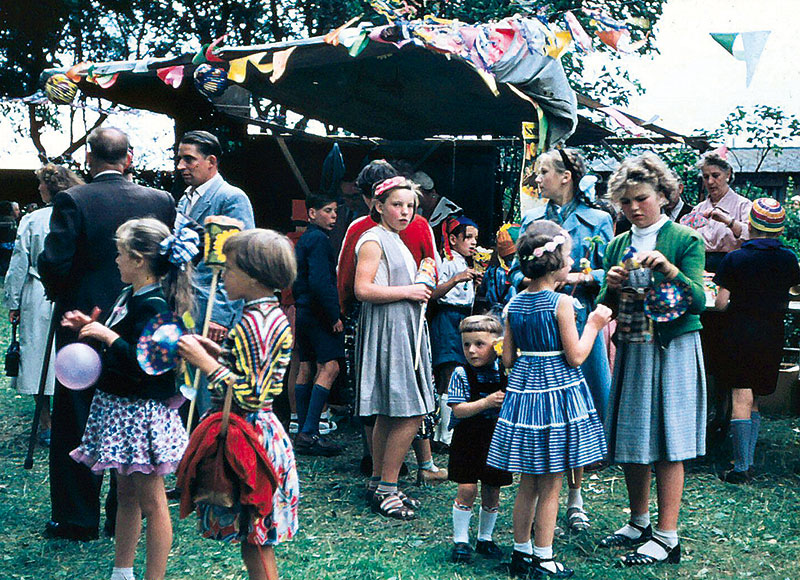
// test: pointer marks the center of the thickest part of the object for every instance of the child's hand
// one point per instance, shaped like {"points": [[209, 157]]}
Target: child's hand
{"points": [[465, 276], [211, 347], [615, 277], [600, 316], [338, 327], [75, 319], [99, 332], [495, 400], [419, 293], [193, 350], [656, 261]]}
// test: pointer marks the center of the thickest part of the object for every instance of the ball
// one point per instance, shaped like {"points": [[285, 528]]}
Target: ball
{"points": [[77, 366], [210, 80], [60, 89]]}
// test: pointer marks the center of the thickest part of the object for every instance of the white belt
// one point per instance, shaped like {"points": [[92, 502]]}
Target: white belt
{"points": [[541, 353]]}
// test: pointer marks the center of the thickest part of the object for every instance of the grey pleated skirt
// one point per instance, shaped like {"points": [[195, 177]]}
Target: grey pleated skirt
{"points": [[657, 404]]}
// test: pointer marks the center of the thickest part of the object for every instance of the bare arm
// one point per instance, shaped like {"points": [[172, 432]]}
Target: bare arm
{"points": [[577, 349], [369, 257], [509, 348], [445, 287], [722, 299], [472, 408]]}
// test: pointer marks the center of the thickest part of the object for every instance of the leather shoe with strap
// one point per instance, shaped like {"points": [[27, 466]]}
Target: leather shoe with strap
{"points": [[69, 532]]}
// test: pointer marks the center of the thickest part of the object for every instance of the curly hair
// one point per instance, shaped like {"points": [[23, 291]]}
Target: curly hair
{"points": [[57, 178], [714, 158], [647, 168], [404, 184], [536, 236]]}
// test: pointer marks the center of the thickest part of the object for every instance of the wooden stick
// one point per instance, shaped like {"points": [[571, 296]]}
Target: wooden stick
{"points": [[206, 323], [37, 413], [418, 342]]}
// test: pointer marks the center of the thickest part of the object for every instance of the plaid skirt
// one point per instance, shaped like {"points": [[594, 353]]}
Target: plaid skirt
{"points": [[657, 405]]}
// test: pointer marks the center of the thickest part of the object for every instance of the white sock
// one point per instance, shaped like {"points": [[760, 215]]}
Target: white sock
{"points": [[525, 547], [642, 520], [122, 574], [670, 538], [293, 417], [486, 520], [461, 516], [575, 499]]}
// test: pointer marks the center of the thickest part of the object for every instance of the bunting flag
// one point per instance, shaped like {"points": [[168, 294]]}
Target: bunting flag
{"points": [[238, 67], [582, 40], [557, 43], [200, 57], [279, 62], [171, 75], [104, 81], [332, 37], [78, 71], [622, 120], [210, 55], [746, 46]]}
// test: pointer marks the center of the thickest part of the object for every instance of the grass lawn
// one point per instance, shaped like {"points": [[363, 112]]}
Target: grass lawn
{"points": [[750, 531]]}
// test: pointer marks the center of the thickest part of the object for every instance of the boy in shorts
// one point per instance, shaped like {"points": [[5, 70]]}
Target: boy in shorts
{"points": [[318, 325], [475, 394]]}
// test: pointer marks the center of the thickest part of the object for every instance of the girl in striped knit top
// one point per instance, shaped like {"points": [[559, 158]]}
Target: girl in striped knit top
{"points": [[253, 360]]}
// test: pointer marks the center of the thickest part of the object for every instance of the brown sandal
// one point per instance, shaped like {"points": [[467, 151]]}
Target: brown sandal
{"points": [[391, 506]]}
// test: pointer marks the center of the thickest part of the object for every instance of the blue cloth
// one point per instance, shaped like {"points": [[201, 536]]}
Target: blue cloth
{"points": [[582, 222], [458, 391], [445, 337], [548, 422], [220, 199], [498, 288], [315, 286], [314, 339]]}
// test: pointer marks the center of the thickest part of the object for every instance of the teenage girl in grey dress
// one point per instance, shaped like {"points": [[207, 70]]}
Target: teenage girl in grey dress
{"points": [[388, 385]]}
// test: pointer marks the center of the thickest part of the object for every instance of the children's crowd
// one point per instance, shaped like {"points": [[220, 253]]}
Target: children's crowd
{"points": [[507, 365]]}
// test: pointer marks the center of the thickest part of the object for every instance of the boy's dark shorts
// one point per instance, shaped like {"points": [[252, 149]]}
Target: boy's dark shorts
{"points": [[315, 343], [468, 452]]}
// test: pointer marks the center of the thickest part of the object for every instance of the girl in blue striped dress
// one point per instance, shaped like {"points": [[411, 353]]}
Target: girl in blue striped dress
{"points": [[548, 423]]}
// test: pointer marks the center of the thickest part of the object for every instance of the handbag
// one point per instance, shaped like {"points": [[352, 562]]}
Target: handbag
{"points": [[12, 353]]}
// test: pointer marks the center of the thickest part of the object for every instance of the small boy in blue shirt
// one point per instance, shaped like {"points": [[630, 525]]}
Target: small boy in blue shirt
{"points": [[475, 394], [318, 325]]}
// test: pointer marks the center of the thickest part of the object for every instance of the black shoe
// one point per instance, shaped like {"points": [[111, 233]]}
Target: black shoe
{"points": [[521, 565], [539, 571], [489, 549], [306, 444], [69, 532], [736, 477], [638, 559], [461, 554], [623, 541], [174, 493]]}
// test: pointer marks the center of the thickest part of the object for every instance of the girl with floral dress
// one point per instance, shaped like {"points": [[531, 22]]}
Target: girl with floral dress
{"points": [[132, 428], [252, 361]]}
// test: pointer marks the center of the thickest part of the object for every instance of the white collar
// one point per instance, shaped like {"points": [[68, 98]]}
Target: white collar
{"points": [[649, 230], [107, 172], [676, 210]]}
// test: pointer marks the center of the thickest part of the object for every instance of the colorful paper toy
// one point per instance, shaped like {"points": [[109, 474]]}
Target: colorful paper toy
{"points": [[666, 301], [157, 348], [746, 46], [218, 228]]}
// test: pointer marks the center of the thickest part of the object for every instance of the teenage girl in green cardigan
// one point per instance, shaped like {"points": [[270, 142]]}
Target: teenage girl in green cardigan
{"points": [[657, 408]]}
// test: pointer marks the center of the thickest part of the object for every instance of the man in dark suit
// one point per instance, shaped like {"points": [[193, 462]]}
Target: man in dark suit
{"points": [[79, 271], [209, 194]]}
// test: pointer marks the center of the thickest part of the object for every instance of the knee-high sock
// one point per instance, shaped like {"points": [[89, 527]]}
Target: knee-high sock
{"points": [[755, 425], [319, 396], [302, 397], [461, 516], [486, 520], [740, 429]]}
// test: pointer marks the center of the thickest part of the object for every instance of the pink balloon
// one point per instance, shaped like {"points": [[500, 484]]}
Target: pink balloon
{"points": [[77, 366]]}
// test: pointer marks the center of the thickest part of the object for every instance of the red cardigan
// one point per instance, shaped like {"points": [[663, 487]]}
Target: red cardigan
{"points": [[244, 456], [418, 238]]}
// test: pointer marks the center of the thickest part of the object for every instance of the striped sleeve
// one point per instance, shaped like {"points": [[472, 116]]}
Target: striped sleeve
{"points": [[458, 389], [260, 354]]}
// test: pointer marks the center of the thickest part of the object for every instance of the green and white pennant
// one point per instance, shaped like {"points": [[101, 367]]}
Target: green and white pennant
{"points": [[746, 46]]}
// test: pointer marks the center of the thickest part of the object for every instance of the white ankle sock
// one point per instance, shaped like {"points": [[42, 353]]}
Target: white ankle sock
{"points": [[486, 521], [122, 574], [670, 538], [575, 499], [525, 547], [642, 520], [461, 516]]}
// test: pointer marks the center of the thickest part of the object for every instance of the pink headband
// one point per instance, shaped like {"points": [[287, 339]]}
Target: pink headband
{"points": [[549, 246], [387, 184]]}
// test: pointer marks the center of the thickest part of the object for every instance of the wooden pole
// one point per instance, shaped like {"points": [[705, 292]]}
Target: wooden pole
{"points": [[42, 384], [206, 323]]}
